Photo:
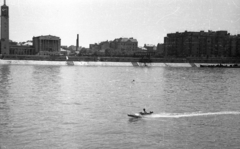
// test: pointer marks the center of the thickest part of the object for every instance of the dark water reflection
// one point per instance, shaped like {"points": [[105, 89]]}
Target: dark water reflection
{"points": [[87, 107], [4, 81]]}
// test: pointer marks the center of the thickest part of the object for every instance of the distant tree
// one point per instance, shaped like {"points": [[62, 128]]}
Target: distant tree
{"points": [[13, 43], [83, 51], [72, 48]]}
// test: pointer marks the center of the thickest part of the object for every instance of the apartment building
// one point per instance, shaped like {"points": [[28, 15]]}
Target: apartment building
{"points": [[202, 44]]}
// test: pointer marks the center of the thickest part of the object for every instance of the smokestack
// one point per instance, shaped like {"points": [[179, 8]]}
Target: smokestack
{"points": [[77, 42]]}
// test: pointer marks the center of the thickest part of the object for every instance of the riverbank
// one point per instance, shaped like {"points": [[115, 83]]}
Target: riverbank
{"points": [[217, 60], [115, 61], [99, 63]]}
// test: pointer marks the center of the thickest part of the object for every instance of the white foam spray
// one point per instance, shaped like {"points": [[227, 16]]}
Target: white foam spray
{"points": [[194, 114]]}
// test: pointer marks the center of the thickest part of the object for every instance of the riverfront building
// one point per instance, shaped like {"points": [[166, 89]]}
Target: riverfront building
{"points": [[47, 45], [4, 29], [150, 47], [119, 46], [101, 46], [42, 45], [21, 50], [202, 44], [128, 44], [124, 46]]}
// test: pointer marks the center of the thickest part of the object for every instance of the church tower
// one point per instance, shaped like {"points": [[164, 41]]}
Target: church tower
{"points": [[4, 29]]}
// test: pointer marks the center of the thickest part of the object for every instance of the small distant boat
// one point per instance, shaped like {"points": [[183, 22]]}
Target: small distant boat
{"points": [[70, 63]]}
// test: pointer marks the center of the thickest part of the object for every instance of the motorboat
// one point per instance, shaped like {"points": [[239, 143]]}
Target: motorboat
{"points": [[140, 114]]}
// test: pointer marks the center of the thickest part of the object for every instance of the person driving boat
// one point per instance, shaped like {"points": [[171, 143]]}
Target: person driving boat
{"points": [[145, 112]]}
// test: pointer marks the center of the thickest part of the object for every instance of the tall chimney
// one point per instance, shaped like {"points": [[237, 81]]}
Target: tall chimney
{"points": [[77, 42]]}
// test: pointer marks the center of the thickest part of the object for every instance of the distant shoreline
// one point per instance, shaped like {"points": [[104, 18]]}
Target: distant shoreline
{"points": [[146, 59], [100, 63], [115, 61]]}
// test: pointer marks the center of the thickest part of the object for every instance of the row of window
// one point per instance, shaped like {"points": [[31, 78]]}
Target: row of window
{"points": [[128, 44], [21, 52]]}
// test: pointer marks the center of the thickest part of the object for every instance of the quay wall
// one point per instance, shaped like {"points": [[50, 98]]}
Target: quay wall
{"points": [[99, 63]]}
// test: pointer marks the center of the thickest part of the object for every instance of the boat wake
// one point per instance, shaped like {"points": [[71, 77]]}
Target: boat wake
{"points": [[194, 114]]}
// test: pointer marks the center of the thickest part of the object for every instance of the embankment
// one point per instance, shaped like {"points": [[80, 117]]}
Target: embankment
{"points": [[99, 63]]}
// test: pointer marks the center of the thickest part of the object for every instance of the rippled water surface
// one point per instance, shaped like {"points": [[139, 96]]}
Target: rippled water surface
{"points": [[87, 107]]}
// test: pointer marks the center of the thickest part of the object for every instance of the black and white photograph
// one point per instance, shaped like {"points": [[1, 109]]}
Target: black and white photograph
{"points": [[120, 74]]}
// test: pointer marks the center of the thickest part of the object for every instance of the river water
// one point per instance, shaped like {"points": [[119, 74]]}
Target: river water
{"points": [[86, 107]]}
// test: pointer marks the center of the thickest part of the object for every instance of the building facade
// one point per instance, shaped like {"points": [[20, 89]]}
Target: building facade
{"points": [[150, 47], [160, 49], [129, 44], [101, 46], [119, 46], [47, 45], [21, 50], [202, 44], [4, 29]]}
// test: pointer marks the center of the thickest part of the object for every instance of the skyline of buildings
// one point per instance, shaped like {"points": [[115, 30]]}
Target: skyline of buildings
{"points": [[185, 44], [96, 21], [42, 45]]}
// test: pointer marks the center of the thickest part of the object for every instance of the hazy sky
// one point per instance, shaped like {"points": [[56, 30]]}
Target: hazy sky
{"points": [[98, 20]]}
